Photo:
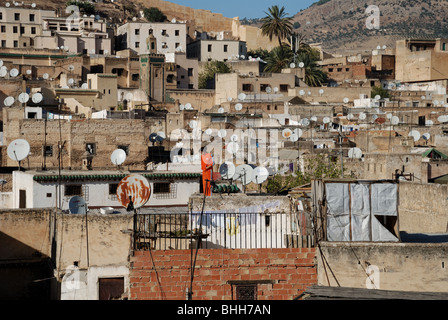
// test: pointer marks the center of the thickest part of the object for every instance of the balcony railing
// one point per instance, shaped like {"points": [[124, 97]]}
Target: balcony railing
{"points": [[218, 230]]}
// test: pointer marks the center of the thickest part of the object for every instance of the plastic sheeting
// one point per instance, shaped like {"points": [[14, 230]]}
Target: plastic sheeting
{"points": [[352, 207]]}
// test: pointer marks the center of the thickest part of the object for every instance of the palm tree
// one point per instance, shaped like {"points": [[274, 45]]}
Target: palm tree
{"points": [[314, 75], [277, 24], [278, 59]]}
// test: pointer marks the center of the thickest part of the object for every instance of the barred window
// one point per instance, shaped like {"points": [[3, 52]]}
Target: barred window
{"points": [[73, 190]]}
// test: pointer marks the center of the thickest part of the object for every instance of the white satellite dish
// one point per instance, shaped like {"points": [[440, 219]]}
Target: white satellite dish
{"points": [[275, 89], [244, 173], [286, 133], [326, 120], [415, 134], [227, 170], [394, 120], [129, 96], [33, 5], [221, 110], [181, 107], [362, 116], [84, 86], [234, 138], [302, 92], [426, 136], [429, 122], [71, 81], [222, 133], [260, 175], [18, 149], [37, 97], [296, 134], [118, 157], [45, 76], [28, 72], [389, 116], [14, 72], [232, 147], [242, 96], [436, 102], [321, 91], [209, 132], [8, 101], [350, 116], [7, 4], [292, 65], [77, 205], [313, 118], [3, 72], [188, 106], [71, 67], [268, 89], [238, 107], [1, 63], [193, 124], [377, 97], [305, 122], [442, 118], [346, 100], [354, 153], [301, 64], [229, 99], [23, 97]]}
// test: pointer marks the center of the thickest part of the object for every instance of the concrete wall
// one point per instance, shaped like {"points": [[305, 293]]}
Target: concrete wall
{"points": [[281, 274], [404, 267], [422, 207]]}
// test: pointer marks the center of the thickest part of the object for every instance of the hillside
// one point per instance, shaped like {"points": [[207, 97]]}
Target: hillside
{"points": [[340, 25]]}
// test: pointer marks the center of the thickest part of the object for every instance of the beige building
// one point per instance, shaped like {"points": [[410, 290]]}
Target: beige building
{"points": [[421, 60], [171, 37], [217, 50]]}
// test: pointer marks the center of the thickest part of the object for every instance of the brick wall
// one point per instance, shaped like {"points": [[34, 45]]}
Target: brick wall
{"points": [[280, 274]]}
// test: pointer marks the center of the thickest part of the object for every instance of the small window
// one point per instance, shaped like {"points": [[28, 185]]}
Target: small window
{"points": [[33, 30], [137, 32], [49, 195], [17, 16], [246, 292], [135, 76], [190, 72], [16, 44], [73, 190], [15, 29], [137, 44], [330, 69], [32, 16], [48, 151], [247, 87], [113, 188], [162, 187], [209, 48], [163, 32], [339, 69], [226, 48], [3, 28], [124, 148], [284, 88], [91, 148], [176, 32]]}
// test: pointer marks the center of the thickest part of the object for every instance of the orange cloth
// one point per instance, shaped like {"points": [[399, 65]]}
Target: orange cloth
{"points": [[207, 171]]}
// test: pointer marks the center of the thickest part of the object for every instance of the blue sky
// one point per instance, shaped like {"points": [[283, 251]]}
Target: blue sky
{"points": [[245, 8]]}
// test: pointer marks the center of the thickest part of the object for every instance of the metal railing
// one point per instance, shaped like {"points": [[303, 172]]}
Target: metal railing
{"points": [[218, 230]]}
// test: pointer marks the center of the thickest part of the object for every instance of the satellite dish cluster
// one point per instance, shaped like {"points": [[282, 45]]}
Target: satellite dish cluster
{"points": [[244, 173]]}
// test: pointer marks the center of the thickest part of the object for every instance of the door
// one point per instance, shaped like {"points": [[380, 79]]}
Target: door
{"points": [[22, 199], [111, 288]]}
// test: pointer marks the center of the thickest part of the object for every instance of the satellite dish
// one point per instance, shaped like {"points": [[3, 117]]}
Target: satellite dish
{"points": [[84, 86], [8, 101], [321, 91], [28, 71], [153, 137], [7, 4], [426, 136], [77, 205], [415, 134], [234, 138], [193, 124], [362, 116], [286, 133], [350, 116], [181, 107], [377, 97], [346, 100], [209, 132], [354, 153], [260, 175], [71, 67], [18, 149], [3, 72], [305, 122], [296, 134], [33, 5], [188, 106], [229, 99], [302, 92], [118, 157], [394, 120], [244, 173], [275, 89], [389, 116], [301, 64], [429, 122], [326, 120], [161, 136], [268, 89], [227, 170], [242, 96], [238, 107], [232, 147], [313, 118], [23, 97], [436, 102], [133, 187], [37, 97], [442, 119], [1, 63], [292, 65], [14, 72], [222, 133], [45, 76], [71, 81], [221, 110]]}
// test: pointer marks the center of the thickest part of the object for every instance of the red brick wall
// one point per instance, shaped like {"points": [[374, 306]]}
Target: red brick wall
{"points": [[288, 271]]}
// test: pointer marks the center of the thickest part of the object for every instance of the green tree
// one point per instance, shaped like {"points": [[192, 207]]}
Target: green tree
{"points": [[278, 59], [211, 68], [277, 24], [383, 93], [315, 76], [154, 14], [320, 166], [84, 6]]}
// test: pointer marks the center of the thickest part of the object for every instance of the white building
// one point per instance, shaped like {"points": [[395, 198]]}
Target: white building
{"points": [[171, 37], [217, 50], [41, 189]]}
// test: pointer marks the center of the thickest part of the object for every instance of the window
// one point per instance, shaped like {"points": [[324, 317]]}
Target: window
{"points": [[1, 15], [16, 44], [176, 32], [110, 288], [263, 87], [137, 44], [163, 32], [48, 151], [73, 190], [247, 87], [113, 188], [15, 29], [190, 72], [165, 190], [32, 16], [137, 32], [330, 69], [3, 43], [135, 76], [17, 16], [91, 148], [226, 47], [22, 30], [339, 69], [3, 28], [162, 187], [284, 88], [177, 45], [124, 148], [209, 48], [33, 30], [246, 292]]}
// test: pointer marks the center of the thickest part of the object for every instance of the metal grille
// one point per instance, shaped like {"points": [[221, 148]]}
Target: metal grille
{"points": [[165, 190], [246, 292]]}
